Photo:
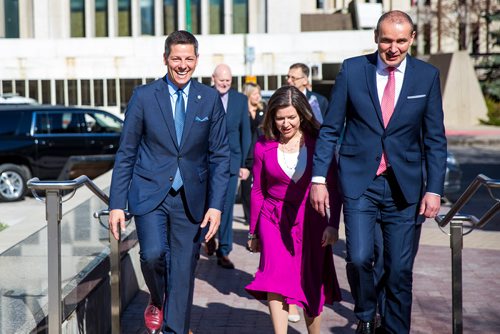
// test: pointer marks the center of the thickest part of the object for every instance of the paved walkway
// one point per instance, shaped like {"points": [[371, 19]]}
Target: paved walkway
{"points": [[221, 304]]}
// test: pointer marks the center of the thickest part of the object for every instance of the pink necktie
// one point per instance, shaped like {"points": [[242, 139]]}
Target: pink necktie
{"points": [[387, 107]]}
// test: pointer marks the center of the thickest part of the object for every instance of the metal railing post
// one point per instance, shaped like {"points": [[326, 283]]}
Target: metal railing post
{"points": [[456, 244], [115, 261], [54, 216]]}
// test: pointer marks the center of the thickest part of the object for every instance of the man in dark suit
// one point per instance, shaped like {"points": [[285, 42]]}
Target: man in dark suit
{"points": [[392, 163], [298, 76], [172, 169], [239, 137]]}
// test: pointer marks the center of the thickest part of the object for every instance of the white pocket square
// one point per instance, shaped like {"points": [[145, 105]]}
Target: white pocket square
{"points": [[204, 119], [415, 96]]}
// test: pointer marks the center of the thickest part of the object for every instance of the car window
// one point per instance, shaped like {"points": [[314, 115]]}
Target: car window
{"points": [[57, 123], [97, 122], [9, 122]]}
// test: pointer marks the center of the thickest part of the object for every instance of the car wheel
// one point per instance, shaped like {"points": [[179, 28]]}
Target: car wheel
{"points": [[13, 182]]}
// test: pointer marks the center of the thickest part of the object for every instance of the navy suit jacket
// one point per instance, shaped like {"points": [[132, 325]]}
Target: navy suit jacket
{"points": [[148, 156], [323, 102], [414, 139], [239, 133]]}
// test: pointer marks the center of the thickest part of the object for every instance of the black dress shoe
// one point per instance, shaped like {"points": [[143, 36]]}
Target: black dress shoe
{"points": [[224, 262], [366, 327]]}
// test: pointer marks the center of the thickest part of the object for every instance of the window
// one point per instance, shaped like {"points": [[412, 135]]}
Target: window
{"points": [[169, 16], [33, 89], [77, 18], [147, 17], [7, 87], [216, 17], [57, 123], [60, 92], [111, 88], [72, 92], [124, 18], [126, 88], [20, 87], [46, 92], [11, 12], [240, 16], [97, 122], [98, 92], [85, 92], [427, 38], [193, 20], [10, 122], [101, 18]]}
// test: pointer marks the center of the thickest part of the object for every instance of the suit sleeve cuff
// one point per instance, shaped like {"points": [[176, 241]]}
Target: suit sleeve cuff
{"points": [[318, 179]]}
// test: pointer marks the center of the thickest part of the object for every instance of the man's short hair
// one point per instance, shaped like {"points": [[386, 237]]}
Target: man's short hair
{"points": [[396, 16], [180, 37], [303, 67]]}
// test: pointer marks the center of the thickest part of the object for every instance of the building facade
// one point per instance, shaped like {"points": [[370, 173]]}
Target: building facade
{"points": [[94, 52]]}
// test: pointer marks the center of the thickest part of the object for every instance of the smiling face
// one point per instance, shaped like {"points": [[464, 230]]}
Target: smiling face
{"points": [[287, 121], [394, 38], [222, 79], [181, 63]]}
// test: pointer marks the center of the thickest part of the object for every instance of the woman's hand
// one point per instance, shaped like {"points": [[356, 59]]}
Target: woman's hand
{"points": [[330, 236], [253, 245]]}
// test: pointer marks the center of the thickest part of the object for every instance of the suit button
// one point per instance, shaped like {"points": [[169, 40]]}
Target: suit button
{"points": [[171, 178], [377, 158]]}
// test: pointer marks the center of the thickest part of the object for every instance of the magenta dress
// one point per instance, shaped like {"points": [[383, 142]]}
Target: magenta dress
{"points": [[292, 262]]}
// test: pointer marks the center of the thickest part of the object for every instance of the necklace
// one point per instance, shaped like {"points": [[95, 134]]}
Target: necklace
{"points": [[291, 150]]}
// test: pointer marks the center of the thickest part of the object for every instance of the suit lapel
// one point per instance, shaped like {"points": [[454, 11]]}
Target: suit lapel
{"points": [[193, 106], [371, 82], [407, 85], [163, 98]]}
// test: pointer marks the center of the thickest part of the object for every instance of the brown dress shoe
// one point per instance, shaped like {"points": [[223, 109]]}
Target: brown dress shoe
{"points": [[210, 247], [224, 262]]}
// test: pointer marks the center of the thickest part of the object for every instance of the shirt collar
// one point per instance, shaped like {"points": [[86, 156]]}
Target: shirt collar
{"points": [[172, 88], [381, 66]]}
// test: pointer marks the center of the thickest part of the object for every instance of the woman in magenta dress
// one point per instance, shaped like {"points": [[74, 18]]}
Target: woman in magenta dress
{"points": [[296, 262]]}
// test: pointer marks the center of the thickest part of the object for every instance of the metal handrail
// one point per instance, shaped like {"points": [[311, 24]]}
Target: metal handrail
{"points": [[456, 238], [53, 204]]}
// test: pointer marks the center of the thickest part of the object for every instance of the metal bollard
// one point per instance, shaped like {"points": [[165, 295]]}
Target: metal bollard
{"points": [[456, 244]]}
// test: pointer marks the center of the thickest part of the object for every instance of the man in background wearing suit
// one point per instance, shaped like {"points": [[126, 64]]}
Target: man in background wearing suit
{"points": [[298, 76], [392, 163], [171, 172], [239, 137]]}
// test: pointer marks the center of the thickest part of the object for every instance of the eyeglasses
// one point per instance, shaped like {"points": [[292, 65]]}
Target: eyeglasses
{"points": [[290, 77]]}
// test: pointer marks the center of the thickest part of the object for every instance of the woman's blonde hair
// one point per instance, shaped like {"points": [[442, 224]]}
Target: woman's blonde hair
{"points": [[249, 88]]}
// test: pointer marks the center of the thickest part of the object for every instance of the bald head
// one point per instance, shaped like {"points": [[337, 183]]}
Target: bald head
{"points": [[222, 78]]}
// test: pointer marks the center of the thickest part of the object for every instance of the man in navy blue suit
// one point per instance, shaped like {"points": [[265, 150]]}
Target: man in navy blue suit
{"points": [[239, 137], [392, 163], [171, 172], [298, 76]]}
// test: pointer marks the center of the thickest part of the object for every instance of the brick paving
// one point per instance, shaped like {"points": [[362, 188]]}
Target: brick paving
{"points": [[221, 304]]}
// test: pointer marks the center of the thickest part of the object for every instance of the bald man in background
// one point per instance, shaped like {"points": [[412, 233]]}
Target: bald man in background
{"points": [[239, 137]]}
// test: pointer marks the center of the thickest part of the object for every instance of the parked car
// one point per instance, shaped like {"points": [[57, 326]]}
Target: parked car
{"points": [[53, 142], [10, 98]]}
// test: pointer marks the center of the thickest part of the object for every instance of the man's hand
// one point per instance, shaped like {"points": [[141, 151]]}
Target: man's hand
{"points": [[116, 217], [213, 217], [429, 207], [319, 198], [330, 236], [244, 173]]}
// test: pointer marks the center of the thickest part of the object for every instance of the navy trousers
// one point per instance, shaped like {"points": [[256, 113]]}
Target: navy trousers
{"points": [[226, 224], [169, 241], [382, 202]]}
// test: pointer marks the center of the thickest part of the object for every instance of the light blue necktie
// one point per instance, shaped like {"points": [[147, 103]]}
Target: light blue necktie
{"points": [[180, 116]]}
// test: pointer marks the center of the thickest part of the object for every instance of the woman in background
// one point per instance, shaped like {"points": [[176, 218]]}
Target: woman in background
{"points": [[296, 264], [256, 110]]}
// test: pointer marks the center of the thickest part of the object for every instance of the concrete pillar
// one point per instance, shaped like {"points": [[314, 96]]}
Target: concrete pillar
{"points": [[112, 18], [90, 18], [181, 14], [228, 17], [2, 19], [205, 17], [135, 13], [158, 8], [26, 18]]}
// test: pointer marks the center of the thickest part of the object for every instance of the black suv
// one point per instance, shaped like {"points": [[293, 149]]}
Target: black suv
{"points": [[53, 142]]}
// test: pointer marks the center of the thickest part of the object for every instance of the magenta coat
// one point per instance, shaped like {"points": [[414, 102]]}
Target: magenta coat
{"points": [[292, 263]]}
